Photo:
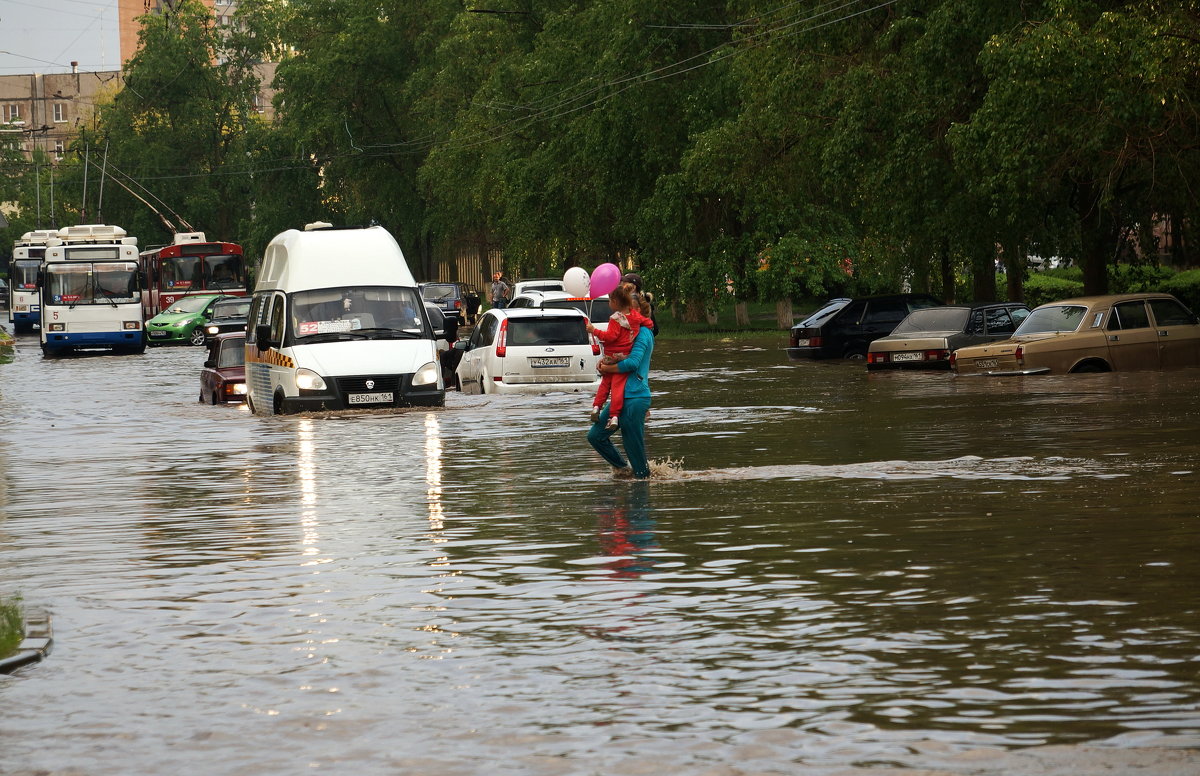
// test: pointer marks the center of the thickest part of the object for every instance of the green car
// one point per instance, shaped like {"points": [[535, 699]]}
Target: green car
{"points": [[183, 321]]}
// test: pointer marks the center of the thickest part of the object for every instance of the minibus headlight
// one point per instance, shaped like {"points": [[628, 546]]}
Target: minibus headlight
{"points": [[308, 380], [426, 375]]}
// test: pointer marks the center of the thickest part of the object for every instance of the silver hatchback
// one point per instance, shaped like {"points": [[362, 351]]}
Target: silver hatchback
{"points": [[528, 351]]}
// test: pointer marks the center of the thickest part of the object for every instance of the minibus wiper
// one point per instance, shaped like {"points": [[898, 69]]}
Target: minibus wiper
{"points": [[386, 332]]}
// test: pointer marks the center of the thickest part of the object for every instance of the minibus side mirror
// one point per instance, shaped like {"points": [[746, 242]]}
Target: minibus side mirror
{"points": [[262, 336]]}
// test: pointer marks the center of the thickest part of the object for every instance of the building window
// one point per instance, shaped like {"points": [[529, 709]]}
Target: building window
{"points": [[59, 148], [259, 103], [12, 112], [60, 112]]}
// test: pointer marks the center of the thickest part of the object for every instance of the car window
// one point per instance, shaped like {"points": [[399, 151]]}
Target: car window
{"points": [[233, 353], [976, 326], [256, 315], [852, 313], [885, 311], [486, 333], [934, 319], [1019, 314], [1129, 315], [1168, 312], [597, 309], [438, 293], [1052, 319], [824, 314], [547, 331], [277, 318], [231, 309], [998, 321]]}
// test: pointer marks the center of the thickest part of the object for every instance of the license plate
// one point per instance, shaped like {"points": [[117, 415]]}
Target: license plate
{"points": [[908, 356], [370, 398], [544, 361], [158, 334], [801, 343], [986, 363]]}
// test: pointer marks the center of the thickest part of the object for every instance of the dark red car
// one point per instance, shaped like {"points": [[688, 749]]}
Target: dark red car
{"points": [[224, 375]]}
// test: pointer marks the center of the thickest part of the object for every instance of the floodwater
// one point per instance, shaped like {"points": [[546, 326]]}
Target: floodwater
{"points": [[834, 573]]}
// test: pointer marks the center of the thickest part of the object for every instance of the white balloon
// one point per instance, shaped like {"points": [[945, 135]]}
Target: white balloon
{"points": [[577, 282]]}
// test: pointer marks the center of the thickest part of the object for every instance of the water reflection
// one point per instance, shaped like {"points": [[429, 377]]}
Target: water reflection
{"points": [[626, 529]]}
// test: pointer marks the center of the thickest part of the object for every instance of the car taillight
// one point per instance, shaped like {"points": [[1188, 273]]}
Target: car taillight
{"points": [[953, 357], [936, 355], [595, 346], [814, 342], [502, 339], [876, 358], [458, 304], [1019, 353]]}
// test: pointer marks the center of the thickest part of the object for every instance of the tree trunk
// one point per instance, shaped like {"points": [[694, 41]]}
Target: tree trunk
{"points": [[783, 314], [693, 311], [983, 276], [1099, 242], [947, 266], [741, 314], [1014, 272], [711, 317]]}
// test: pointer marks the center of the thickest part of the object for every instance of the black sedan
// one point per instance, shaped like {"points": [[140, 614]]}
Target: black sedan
{"points": [[227, 315], [843, 328]]}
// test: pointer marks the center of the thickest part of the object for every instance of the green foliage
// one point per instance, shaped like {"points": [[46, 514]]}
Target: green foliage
{"points": [[12, 626], [1134, 278], [1041, 288], [1186, 288]]}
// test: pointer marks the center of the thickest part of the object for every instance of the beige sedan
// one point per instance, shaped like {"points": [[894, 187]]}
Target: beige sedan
{"points": [[1092, 334]]}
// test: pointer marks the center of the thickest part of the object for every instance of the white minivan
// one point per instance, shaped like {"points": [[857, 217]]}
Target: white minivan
{"points": [[528, 351], [337, 322]]}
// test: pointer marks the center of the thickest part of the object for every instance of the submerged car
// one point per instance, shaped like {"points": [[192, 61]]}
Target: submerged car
{"points": [[223, 378], [844, 328], [455, 300], [1093, 334], [183, 321], [227, 315], [528, 351], [926, 338]]}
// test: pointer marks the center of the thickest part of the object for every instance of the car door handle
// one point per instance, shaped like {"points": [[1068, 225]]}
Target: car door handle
{"points": [[1113, 338], [1162, 333]]}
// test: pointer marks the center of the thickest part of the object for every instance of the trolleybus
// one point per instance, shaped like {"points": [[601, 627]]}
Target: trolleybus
{"points": [[91, 291], [24, 307], [190, 265]]}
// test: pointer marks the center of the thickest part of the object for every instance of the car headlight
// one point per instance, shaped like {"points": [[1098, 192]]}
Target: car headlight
{"points": [[186, 321], [213, 329], [427, 375], [239, 388], [308, 380]]}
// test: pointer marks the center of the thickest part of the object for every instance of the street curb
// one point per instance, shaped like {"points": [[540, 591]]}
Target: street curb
{"points": [[34, 648]]}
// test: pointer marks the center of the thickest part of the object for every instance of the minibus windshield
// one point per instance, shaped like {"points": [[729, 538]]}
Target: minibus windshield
{"points": [[357, 309]]}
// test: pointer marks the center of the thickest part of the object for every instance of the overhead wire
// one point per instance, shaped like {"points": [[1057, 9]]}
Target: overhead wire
{"points": [[782, 29]]}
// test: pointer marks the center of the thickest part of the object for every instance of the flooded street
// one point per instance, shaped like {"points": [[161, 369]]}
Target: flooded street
{"points": [[836, 571]]}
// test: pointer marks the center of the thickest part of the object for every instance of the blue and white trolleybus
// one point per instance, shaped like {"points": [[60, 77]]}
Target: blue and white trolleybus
{"points": [[24, 307], [91, 291]]}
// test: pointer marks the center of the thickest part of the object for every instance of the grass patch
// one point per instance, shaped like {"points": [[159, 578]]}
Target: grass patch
{"points": [[12, 626]]}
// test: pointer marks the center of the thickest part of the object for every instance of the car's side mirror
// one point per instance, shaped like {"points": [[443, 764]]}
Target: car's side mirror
{"points": [[462, 345], [210, 364], [262, 336]]}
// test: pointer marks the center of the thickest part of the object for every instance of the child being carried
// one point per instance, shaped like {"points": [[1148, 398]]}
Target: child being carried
{"points": [[623, 326]]}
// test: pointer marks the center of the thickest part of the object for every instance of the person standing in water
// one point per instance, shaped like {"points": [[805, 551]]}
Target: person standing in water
{"points": [[617, 338], [632, 418]]}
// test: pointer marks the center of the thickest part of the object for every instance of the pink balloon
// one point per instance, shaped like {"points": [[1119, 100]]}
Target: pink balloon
{"points": [[605, 278]]}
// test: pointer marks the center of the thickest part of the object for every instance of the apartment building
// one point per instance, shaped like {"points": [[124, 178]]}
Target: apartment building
{"points": [[46, 111]]}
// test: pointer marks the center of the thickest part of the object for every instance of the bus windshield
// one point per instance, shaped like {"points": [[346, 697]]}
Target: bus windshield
{"points": [[87, 283], [354, 308], [181, 273], [225, 271], [24, 274]]}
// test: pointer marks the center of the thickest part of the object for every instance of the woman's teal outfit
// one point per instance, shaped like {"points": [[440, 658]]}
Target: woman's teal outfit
{"points": [[632, 419]]}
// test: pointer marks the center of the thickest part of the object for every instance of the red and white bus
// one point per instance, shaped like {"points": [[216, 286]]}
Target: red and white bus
{"points": [[190, 266]]}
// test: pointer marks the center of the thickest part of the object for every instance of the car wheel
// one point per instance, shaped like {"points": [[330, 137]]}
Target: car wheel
{"points": [[277, 404], [197, 336], [1089, 367], [482, 386], [458, 384], [250, 404], [854, 355], [213, 400]]}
